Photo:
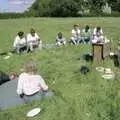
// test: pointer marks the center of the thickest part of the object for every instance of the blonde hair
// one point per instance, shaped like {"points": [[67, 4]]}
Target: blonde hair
{"points": [[30, 67]]}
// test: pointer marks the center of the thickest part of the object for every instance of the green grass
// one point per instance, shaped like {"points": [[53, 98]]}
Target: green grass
{"points": [[77, 97]]}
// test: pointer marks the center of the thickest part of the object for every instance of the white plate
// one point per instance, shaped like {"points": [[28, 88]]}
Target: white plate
{"points": [[111, 53], [6, 57], [108, 76], [108, 71], [33, 112], [100, 69]]}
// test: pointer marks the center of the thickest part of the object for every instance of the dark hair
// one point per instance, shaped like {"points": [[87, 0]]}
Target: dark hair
{"points": [[84, 70], [60, 33], [32, 30], [21, 33], [98, 28], [75, 25], [86, 28]]}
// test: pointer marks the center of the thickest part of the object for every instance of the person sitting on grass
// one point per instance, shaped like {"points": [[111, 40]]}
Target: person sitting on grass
{"points": [[60, 39], [31, 86], [98, 35], [75, 38], [33, 40], [20, 43], [86, 34]]}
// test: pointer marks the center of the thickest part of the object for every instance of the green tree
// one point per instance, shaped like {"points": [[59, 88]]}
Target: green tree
{"points": [[96, 5], [64, 8]]}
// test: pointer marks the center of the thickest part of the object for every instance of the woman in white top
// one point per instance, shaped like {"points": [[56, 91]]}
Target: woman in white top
{"points": [[97, 35], [75, 38], [33, 40], [31, 85], [20, 43]]}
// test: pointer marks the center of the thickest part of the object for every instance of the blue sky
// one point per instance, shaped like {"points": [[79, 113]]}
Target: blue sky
{"points": [[15, 5]]}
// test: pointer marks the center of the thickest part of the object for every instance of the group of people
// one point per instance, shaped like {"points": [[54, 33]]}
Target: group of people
{"points": [[85, 36], [31, 41], [30, 85], [27, 42]]}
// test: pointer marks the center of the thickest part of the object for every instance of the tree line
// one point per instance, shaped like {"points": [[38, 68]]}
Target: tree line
{"points": [[72, 8], [67, 8]]}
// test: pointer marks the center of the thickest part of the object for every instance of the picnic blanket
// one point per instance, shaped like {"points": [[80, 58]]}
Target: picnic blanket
{"points": [[10, 99], [8, 95]]}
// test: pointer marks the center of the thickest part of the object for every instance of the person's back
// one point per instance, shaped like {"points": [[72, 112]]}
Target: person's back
{"points": [[31, 86]]}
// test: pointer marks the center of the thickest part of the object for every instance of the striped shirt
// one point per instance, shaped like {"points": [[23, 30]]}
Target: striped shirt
{"points": [[30, 84]]}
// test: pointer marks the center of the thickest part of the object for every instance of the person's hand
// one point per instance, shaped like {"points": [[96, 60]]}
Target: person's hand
{"points": [[22, 95], [45, 90]]}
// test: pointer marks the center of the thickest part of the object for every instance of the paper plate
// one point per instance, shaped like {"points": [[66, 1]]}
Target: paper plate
{"points": [[108, 71], [108, 76], [111, 53], [100, 69], [33, 112], [6, 57]]}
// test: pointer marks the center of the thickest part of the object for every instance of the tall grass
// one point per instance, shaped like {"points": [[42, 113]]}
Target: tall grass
{"points": [[77, 97]]}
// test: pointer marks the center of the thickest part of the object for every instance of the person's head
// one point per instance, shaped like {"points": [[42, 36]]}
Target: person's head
{"points": [[118, 43], [21, 34], [86, 28], [32, 32], [59, 35], [98, 28], [30, 67], [75, 27]]}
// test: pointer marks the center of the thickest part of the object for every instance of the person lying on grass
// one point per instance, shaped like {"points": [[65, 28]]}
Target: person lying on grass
{"points": [[20, 43], [33, 40], [60, 39], [31, 86]]}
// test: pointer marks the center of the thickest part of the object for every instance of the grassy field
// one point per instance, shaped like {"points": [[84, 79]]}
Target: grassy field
{"points": [[77, 97]]}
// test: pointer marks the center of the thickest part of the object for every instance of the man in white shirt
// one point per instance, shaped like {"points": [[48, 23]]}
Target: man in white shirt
{"points": [[60, 39], [98, 35], [75, 38], [20, 43], [33, 40]]}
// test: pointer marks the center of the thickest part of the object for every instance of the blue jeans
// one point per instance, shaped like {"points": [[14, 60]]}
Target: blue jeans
{"points": [[36, 96]]}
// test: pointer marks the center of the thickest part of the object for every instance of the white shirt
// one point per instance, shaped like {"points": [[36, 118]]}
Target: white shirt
{"points": [[60, 39], [97, 33], [19, 41], [75, 33], [31, 38], [30, 84]]}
